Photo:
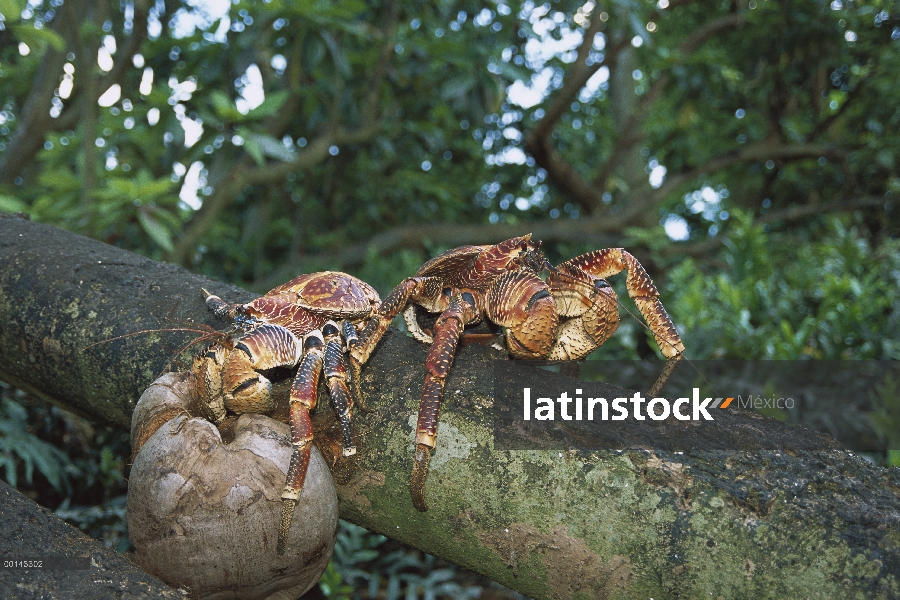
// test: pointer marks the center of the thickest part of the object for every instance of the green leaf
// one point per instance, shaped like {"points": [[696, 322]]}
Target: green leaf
{"points": [[514, 72], [38, 38], [271, 105], [60, 180], [457, 86], [224, 107], [12, 9], [337, 55], [155, 230], [12, 205], [313, 52], [270, 146], [16, 440], [254, 149]]}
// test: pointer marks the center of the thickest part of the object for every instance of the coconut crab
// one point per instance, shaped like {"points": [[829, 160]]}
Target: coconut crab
{"points": [[309, 321], [566, 317]]}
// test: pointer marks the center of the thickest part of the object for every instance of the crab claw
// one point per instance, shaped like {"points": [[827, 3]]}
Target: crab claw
{"points": [[268, 346], [521, 302]]}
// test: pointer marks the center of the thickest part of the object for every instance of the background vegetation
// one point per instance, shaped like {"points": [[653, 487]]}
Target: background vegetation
{"points": [[745, 151]]}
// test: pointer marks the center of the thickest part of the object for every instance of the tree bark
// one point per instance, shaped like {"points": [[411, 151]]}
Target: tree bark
{"points": [[32, 532], [552, 525]]}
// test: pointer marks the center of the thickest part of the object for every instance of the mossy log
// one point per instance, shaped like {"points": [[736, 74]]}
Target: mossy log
{"points": [[632, 524]]}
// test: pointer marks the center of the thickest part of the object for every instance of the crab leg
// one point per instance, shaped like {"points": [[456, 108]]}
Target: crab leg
{"points": [[336, 377], [426, 290], [302, 400], [608, 262], [351, 341], [448, 329], [390, 308]]}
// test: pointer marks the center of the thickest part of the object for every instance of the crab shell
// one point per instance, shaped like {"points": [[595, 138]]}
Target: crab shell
{"points": [[477, 267], [305, 302]]}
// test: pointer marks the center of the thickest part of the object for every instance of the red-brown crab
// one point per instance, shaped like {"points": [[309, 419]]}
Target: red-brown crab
{"points": [[311, 321], [566, 317]]}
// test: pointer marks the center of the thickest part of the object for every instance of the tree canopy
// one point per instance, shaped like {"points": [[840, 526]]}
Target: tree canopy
{"points": [[255, 140]]}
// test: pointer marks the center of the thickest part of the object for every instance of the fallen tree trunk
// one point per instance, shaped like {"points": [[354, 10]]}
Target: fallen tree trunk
{"points": [[71, 565], [549, 524]]}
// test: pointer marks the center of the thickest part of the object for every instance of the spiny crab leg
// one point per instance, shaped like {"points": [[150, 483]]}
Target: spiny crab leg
{"points": [[336, 378], [448, 329], [610, 261], [302, 400], [390, 308], [351, 342]]}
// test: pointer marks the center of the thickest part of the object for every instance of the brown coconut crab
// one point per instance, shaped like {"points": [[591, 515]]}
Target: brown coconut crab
{"points": [[309, 321], [566, 317]]}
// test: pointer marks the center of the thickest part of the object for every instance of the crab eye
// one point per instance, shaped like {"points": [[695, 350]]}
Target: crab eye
{"points": [[447, 291], [469, 298]]}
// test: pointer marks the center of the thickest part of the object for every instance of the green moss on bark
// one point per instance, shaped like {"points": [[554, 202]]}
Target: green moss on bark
{"points": [[629, 524]]}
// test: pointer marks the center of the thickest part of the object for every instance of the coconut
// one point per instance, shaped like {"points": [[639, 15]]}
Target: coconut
{"points": [[204, 514]]}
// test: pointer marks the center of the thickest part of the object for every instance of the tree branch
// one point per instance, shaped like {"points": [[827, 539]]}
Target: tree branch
{"points": [[575, 81], [630, 135], [370, 110], [130, 48], [852, 95], [242, 174], [562, 174], [794, 213], [692, 524], [711, 28], [538, 142], [605, 232], [756, 152], [35, 121], [39, 534]]}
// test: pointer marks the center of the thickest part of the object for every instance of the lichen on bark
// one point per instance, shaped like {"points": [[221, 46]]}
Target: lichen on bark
{"points": [[551, 524]]}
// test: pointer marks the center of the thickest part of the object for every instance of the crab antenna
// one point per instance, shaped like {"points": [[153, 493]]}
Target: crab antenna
{"points": [[143, 331]]}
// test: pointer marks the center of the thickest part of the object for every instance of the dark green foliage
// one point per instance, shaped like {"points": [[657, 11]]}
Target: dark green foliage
{"points": [[67, 464], [22, 451], [834, 298], [376, 567]]}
